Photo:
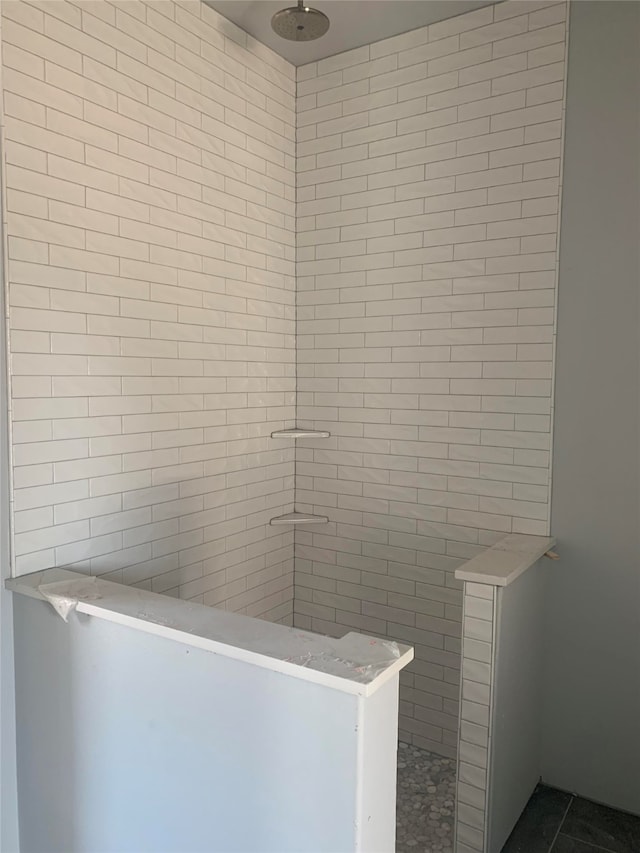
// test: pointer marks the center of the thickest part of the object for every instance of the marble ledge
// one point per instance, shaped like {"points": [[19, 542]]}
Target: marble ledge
{"points": [[505, 561], [354, 664]]}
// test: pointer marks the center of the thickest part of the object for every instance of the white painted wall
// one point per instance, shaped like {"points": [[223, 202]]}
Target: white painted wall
{"points": [[592, 690], [8, 794], [517, 690], [158, 747], [428, 193], [149, 154]]}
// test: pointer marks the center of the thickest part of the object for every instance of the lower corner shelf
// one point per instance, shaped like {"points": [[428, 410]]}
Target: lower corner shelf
{"points": [[298, 432], [299, 518]]}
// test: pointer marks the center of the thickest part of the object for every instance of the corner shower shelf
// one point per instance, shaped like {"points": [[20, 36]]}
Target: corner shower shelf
{"points": [[299, 518], [300, 433]]}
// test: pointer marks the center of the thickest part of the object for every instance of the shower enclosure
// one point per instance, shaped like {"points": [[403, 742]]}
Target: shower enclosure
{"points": [[281, 338]]}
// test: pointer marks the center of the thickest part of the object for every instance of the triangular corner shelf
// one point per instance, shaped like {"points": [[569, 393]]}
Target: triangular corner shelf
{"points": [[299, 518], [297, 432]]}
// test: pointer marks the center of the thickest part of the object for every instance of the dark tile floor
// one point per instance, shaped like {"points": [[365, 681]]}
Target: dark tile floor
{"points": [[555, 822]]}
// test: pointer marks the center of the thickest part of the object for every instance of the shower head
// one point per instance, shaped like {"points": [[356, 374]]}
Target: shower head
{"points": [[300, 23]]}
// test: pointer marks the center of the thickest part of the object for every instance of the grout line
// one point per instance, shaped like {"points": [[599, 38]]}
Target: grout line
{"points": [[595, 847], [296, 422], [561, 824]]}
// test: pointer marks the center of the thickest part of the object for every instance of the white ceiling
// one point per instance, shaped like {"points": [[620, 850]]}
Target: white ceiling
{"points": [[353, 22]]}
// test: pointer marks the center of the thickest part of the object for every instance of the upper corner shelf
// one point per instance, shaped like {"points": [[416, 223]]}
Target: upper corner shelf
{"points": [[300, 433], [299, 518]]}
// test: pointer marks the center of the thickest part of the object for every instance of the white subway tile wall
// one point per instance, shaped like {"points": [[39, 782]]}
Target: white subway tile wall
{"points": [[428, 195], [151, 163], [478, 678], [150, 208]]}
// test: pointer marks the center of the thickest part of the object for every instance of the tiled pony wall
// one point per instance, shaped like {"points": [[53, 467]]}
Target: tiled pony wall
{"points": [[428, 196], [150, 166], [150, 215]]}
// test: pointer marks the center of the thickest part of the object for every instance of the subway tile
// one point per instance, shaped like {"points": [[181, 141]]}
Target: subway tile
{"points": [[529, 79], [536, 37]]}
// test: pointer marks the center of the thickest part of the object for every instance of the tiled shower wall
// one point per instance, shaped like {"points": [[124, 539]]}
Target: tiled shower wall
{"points": [[149, 161], [149, 165], [428, 194]]}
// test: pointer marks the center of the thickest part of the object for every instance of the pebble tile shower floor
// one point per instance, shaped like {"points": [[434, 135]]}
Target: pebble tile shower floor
{"points": [[425, 802]]}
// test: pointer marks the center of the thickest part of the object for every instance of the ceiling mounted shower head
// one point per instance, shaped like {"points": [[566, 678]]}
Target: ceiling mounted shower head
{"points": [[300, 23]]}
